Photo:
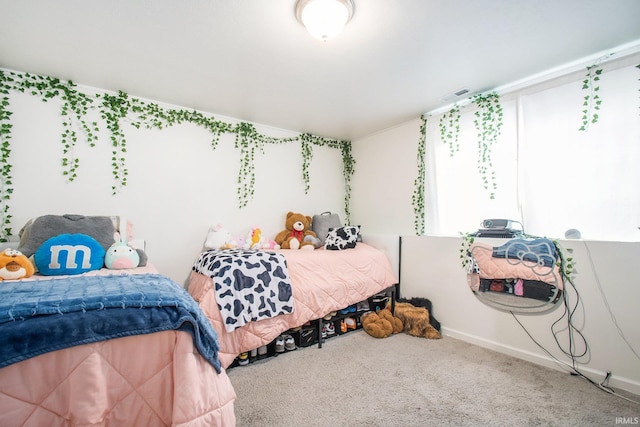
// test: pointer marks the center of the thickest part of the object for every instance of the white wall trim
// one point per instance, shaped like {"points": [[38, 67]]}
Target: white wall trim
{"points": [[595, 375]]}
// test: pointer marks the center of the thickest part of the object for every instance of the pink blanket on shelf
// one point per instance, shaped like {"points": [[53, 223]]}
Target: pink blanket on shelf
{"points": [[156, 379], [322, 281]]}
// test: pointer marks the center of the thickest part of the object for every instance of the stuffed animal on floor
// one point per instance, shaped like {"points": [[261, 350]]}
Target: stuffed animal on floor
{"points": [[415, 320], [297, 229], [14, 265], [381, 324]]}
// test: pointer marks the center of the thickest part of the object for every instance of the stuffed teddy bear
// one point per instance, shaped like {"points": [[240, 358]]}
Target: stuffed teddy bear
{"points": [[381, 324], [297, 229], [416, 320], [15, 265]]}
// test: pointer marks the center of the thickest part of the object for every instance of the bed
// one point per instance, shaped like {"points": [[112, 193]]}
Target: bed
{"points": [[108, 347], [321, 281]]}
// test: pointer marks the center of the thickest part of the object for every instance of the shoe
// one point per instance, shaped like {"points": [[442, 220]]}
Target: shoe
{"points": [[343, 327], [289, 343], [243, 359], [331, 329], [324, 331], [280, 344], [262, 352], [351, 308], [330, 315], [350, 323], [253, 355], [363, 306]]}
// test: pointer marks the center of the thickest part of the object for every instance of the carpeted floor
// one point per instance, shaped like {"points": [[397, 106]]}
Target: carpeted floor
{"points": [[356, 380]]}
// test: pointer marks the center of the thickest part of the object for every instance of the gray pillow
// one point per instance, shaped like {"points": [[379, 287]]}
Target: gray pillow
{"points": [[36, 232], [321, 223]]}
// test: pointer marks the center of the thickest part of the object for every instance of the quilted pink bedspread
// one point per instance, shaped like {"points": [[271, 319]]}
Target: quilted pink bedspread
{"points": [[502, 268], [157, 379], [322, 281]]}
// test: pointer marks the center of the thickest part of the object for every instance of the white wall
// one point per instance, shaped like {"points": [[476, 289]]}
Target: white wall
{"points": [[177, 186], [431, 268], [382, 185]]}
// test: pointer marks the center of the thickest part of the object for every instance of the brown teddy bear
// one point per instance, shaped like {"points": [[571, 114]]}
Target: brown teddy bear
{"points": [[415, 320], [381, 324], [297, 234]]}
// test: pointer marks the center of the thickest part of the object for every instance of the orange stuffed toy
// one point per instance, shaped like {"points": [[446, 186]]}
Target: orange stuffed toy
{"points": [[381, 324], [14, 265], [297, 234]]}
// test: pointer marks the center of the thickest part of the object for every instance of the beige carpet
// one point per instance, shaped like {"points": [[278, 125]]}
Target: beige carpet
{"points": [[356, 380]]}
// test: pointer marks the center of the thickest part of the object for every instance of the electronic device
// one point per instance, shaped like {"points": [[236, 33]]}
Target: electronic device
{"points": [[499, 229], [496, 223]]}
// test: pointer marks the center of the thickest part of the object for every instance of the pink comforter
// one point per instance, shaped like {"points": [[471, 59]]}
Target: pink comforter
{"points": [[503, 268], [322, 281], [157, 379]]}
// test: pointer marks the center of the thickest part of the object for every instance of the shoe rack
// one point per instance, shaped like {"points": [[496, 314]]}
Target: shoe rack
{"points": [[311, 333]]}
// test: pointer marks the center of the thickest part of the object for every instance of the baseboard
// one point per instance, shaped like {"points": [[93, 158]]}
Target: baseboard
{"points": [[626, 384]]}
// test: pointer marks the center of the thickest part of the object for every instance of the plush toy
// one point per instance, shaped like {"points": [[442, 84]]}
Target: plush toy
{"points": [[416, 320], [381, 324], [270, 245], [14, 265], [121, 256], [219, 237], [254, 239], [297, 228]]}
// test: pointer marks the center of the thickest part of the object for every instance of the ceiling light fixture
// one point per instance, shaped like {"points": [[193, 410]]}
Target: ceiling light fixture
{"points": [[324, 19]]}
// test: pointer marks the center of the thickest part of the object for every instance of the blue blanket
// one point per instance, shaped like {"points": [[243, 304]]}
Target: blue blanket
{"points": [[46, 315], [541, 251]]}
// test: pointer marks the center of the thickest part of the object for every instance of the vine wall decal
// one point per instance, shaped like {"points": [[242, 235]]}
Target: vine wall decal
{"points": [[117, 109]]}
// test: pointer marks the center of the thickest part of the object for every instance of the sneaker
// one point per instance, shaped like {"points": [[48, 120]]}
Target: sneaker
{"points": [[243, 359], [363, 305], [262, 352], [280, 344], [289, 343], [324, 331], [331, 329], [254, 354]]}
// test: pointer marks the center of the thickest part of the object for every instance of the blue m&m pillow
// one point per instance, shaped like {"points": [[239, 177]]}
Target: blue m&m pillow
{"points": [[69, 254]]}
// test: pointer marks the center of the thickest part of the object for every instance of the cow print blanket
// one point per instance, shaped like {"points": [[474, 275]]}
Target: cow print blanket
{"points": [[249, 284]]}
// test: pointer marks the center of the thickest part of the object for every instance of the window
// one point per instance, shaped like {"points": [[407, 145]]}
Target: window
{"points": [[550, 175]]}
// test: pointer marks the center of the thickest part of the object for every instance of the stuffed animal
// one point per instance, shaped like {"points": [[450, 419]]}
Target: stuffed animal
{"points": [[219, 237], [297, 227], [381, 324], [416, 320], [15, 265], [121, 256], [254, 239]]}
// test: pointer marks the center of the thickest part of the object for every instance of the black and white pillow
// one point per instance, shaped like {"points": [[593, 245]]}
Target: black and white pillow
{"points": [[342, 237]]}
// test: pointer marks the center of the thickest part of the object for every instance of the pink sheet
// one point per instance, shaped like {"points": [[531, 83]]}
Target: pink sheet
{"points": [[156, 379], [322, 281]]}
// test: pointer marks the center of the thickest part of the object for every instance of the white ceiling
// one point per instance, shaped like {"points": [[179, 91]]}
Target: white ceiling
{"points": [[252, 60]]}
